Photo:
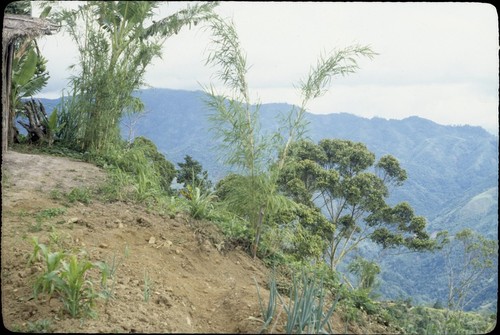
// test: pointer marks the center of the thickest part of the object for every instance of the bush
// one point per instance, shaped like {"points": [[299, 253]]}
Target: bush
{"points": [[138, 172]]}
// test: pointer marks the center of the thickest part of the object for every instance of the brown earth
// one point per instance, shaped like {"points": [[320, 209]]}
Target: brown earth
{"points": [[194, 285]]}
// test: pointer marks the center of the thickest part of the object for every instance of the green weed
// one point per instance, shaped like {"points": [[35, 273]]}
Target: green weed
{"points": [[200, 205], [147, 286], [82, 195], [56, 195], [39, 326], [50, 213]]}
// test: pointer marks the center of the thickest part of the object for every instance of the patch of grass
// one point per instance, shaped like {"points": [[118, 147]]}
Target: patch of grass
{"points": [[42, 216], [50, 213], [56, 195], [23, 213], [57, 149], [79, 194], [35, 227], [39, 326], [200, 204]]}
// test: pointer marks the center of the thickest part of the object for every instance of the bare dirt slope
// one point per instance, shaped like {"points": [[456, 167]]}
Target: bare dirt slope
{"points": [[193, 286], [172, 274]]}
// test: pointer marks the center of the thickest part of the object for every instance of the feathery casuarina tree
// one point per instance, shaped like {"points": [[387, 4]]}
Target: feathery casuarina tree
{"points": [[259, 158]]}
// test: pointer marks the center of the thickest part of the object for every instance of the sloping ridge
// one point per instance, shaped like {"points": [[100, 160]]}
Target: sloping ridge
{"points": [[172, 273], [192, 286]]}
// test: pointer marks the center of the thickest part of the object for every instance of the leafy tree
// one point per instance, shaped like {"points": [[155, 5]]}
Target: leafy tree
{"points": [[366, 272], [116, 44], [191, 173], [260, 159], [470, 261], [469, 257], [334, 176]]}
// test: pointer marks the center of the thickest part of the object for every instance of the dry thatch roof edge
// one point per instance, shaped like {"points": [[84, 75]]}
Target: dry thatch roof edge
{"points": [[23, 25]]}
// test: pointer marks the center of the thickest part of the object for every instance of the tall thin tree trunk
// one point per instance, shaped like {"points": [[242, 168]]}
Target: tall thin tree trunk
{"points": [[257, 233]]}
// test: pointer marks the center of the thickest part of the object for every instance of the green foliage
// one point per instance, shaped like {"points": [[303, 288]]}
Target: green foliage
{"points": [[306, 310], [199, 204], [65, 276], [76, 292], [80, 194], [269, 312], [39, 326], [138, 172], [29, 74], [235, 229], [115, 47], [29, 71], [21, 7], [295, 232], [361, 300], [191, 173], [366, 272], [426, 320], [334, 176], [50, 213], [468, 258], [255, 195]]}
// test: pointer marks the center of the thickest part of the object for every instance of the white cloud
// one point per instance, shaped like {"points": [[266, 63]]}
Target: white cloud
{"points": [[436, 60]]}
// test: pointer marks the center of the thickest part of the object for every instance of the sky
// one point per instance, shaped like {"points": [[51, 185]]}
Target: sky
{"points": [[435, 60]]}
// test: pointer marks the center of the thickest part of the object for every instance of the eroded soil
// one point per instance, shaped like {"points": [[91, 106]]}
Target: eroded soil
{"points": [[172, 274], [193, 287]]}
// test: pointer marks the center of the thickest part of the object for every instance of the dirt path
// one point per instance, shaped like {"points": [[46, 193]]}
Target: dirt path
{"points": [[192, 286]]}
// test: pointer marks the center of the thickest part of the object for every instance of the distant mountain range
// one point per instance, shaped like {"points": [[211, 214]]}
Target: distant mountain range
{"points": [[452, 170]]}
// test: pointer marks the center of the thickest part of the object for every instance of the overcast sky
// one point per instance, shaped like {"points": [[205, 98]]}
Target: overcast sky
{"points": [[435, 60]]}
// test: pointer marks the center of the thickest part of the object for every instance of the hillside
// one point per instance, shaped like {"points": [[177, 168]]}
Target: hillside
{"points": [[452, 170], [193, 283], [444, 163]]}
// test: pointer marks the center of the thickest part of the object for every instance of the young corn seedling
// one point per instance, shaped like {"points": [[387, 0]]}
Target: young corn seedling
{"points": [[46, 283], [77, 292]]}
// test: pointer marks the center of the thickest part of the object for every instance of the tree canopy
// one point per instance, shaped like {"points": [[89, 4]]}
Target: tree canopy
{"points": [[341, 178], [116, 44]]}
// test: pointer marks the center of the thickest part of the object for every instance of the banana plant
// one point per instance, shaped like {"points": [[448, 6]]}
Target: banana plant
{"points": [[29, 71], [29, 75]]}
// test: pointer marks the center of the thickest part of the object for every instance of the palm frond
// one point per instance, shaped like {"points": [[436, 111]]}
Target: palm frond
{"points": [[192, 15]]}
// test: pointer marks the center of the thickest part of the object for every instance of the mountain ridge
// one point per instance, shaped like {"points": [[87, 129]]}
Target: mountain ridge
{"points": [[450, 168]]}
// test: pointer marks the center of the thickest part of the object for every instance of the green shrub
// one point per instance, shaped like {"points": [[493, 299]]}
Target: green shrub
{"points": [[137, 172], [200, 205]]}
